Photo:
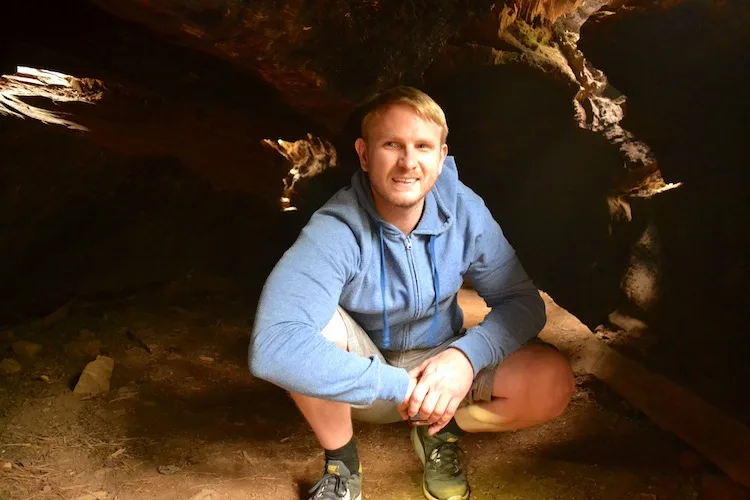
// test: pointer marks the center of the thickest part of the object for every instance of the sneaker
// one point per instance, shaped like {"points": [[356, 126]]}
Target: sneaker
{"points": [[443, 479], [338, 483]]}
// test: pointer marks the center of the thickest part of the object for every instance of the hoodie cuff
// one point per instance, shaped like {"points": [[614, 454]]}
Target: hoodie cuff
{"points": [[394, 382], [476, 349]]}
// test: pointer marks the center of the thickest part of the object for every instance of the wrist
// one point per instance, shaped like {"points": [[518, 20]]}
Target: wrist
{"points": [[465, 358], [410, 388]]}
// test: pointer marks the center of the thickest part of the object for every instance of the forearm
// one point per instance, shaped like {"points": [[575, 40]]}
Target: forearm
{"points": [[513, 321], [300, 360]]}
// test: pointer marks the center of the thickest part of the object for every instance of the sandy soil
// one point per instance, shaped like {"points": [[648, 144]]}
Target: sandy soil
{"points": [[185, 420]]}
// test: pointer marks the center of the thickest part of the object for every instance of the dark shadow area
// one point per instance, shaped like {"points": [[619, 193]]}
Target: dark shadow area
{"points": [[544, 179], [685, 73], [615, 447], [95, 222], [195, 401]]}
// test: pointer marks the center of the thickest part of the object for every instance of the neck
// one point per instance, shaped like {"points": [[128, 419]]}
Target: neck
{"points": [[404, 218]]}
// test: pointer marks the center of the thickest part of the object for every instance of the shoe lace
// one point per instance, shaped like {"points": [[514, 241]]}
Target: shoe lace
{"points": [[330, 484], [444, 458]]}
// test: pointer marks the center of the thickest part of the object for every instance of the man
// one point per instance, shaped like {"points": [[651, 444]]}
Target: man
{"points": [[360, 316]]}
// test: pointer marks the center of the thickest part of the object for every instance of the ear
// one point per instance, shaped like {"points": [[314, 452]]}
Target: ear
{"points": [[443, 154], [361, 146]]}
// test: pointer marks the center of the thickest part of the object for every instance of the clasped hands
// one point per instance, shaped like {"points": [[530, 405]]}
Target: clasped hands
{"points": [[436, 388]]}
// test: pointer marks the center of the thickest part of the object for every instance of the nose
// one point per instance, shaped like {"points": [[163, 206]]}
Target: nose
{"points": [[408, 157]]}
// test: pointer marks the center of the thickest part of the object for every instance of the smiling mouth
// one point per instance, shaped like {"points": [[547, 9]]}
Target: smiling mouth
{"points": [[405, 181]]}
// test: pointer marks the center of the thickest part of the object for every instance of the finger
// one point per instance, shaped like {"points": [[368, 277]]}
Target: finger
{"points": [[440, 407], [450, 411], [404, 405], [428, 405], [416, 372], [417, 397], [402, 410]]}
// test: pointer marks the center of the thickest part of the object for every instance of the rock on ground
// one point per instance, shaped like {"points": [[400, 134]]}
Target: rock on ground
{"points": [[8, 366], [26, 349], [95, 377]]}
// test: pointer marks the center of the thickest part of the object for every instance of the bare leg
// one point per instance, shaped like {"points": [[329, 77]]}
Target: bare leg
{"points": [[330, 421], [533, 385]]}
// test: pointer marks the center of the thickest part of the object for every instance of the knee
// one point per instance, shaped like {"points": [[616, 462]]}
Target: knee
{"points": [[555, 385]]}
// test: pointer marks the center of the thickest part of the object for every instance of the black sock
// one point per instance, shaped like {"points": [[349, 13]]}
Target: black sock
{"points": [[453, 428], [347, 454]]}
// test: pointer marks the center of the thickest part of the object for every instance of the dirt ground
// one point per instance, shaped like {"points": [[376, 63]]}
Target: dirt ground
{"points": [[185, 420]]}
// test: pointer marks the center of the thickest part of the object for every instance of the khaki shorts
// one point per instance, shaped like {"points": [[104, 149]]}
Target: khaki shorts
{"points": [[385, 412]]}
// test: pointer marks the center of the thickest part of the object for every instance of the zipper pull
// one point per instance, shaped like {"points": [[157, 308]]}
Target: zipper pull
{"points": [[408, 242]]}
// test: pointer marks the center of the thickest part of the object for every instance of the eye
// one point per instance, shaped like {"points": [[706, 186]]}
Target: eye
{"points": [[391, 144]]}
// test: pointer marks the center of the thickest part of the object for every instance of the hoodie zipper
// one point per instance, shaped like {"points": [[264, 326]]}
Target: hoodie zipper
{"points": [[415, 281]]}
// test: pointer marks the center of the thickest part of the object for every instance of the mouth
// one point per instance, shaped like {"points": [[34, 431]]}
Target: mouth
{"points": [[405, 180]]}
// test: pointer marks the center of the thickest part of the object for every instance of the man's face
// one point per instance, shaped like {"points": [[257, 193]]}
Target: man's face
{"points": [[403, 157]]}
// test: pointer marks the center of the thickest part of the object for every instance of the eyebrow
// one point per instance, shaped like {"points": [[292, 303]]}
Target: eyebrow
{"points": [[390, 138]]}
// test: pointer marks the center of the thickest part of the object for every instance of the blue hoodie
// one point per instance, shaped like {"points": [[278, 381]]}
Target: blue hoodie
{"points": [[348, 255]]}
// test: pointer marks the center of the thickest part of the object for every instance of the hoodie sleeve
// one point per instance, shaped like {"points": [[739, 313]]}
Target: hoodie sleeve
{"points": [[297, 301], [517, 310]]}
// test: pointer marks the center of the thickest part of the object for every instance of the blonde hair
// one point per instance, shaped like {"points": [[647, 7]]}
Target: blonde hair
{"points": [[421, 103]]}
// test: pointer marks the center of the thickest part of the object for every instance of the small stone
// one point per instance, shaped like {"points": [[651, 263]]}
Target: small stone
{"points": [[26, 349], [167, 469], [206, 359], [6, 466], [8, 366], [626, 322], [47, 488], [45, 378], [95, 377]]}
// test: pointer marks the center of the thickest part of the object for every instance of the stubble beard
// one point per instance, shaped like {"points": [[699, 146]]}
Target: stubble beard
{"points": [[398, 203]]}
